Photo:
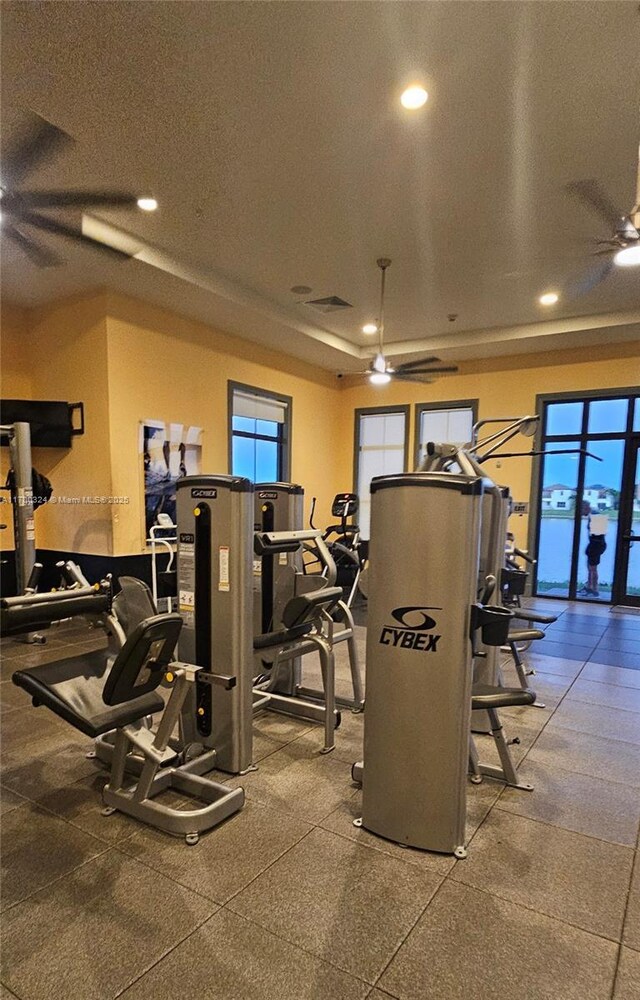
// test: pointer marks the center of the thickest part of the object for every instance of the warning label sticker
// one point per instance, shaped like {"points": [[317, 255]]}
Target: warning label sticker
{"points": [[223, 574]]}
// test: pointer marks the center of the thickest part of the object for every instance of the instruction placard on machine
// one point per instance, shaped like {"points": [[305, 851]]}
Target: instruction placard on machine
{"points": [[223, 575], [187, 581]]}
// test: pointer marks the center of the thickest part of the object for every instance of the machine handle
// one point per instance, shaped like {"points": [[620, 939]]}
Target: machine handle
{"points": [[34, 578], [221, 680], [489, 587]]}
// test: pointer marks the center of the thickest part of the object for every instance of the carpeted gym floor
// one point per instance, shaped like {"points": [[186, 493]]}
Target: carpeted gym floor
{"points": [[289, 901]]}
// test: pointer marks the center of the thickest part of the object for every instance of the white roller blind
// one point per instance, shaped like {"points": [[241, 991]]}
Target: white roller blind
{"points": [[451, 426], [381, 452], [247, 404]]}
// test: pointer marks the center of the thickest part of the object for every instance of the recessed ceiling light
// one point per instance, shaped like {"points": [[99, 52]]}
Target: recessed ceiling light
{"points": [[369, 328], [548, 299], [414, 97], [379, 378], [629, 257], [147, 204]]}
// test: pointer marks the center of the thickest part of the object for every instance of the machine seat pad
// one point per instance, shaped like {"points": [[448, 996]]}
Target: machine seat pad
{"points": [[487, 696], [282, 637], [525, 615], [525, 634], [72, 688]]}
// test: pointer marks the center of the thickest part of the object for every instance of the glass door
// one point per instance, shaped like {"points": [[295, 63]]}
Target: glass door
{"points": [[630, 532], [588, 509], [600, 509]]}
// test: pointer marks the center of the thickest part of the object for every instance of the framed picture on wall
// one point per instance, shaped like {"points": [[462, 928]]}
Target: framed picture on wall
{"points": [[168, 452]]}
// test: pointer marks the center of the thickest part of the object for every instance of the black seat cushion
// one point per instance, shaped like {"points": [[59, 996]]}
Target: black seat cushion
{"points": [[282, 637], [525, 634], [72, 688], [488, 696]]}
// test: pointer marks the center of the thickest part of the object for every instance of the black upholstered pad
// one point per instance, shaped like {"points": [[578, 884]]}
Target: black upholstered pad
{"points": [[72, 688], [488, 696], [282, 637], [525, 634]]}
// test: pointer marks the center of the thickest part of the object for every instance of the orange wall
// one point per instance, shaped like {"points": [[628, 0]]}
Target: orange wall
{"points": [[69, 362], [165, 367], [129, 361], [15, 383]]}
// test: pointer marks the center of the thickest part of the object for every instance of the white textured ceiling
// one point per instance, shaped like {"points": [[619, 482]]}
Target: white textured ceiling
{"points": [[272, 136]]}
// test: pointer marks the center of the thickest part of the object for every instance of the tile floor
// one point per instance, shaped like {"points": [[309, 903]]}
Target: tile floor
{"points": [[289, 900]]}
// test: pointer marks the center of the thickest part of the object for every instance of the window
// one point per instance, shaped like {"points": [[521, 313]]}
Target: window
{"points": [[444, 423], [381, 450], [259, 434], [586, 439]]}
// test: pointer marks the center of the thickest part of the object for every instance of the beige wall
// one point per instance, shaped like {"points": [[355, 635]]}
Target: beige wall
{"points": [[503, 387]]}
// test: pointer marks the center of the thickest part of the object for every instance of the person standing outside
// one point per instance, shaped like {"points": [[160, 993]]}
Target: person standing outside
{"points": [[597, 524]]}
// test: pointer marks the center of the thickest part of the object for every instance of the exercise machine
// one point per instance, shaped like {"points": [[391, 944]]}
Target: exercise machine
{"points": [[343, 542], [424, 615], [214, 566], [279, 575], [99, 694]]}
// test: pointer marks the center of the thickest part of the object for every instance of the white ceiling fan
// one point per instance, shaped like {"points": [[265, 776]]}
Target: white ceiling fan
{"points": [[622, 248], [381, 371]]}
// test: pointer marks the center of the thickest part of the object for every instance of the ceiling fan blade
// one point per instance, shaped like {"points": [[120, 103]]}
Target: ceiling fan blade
{"points": [[37, 141], [593, 276], [591, 193], [427, 371], [412, 377], [61, 229], [419, 362], [76, 199], [37, 254]]}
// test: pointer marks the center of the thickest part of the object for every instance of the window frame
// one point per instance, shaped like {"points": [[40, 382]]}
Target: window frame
{"points": [[283, 439], [541, 438], [450, 404], [367, 411]]}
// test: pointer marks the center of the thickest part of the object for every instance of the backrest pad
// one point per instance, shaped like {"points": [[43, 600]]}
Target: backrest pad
{"points": [[140, 665], [133, 604]]}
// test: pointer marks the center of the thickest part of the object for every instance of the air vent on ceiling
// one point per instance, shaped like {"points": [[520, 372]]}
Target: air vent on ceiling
{"points": [[331, 304]]}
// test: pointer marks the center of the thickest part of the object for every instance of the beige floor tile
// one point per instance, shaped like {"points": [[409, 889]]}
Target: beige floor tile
{"points": [[472, 944], [37, 848], [588, 754], [598, 720], [230, 957], [605, 674], [609, 695], [577, 802], [226, 858], [342, 902], [565, 875], [298, 780], [628, 978], [93, 932]]}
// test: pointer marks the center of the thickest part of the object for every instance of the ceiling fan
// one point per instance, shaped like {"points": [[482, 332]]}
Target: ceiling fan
{"points": [[623, 246], [38, 142], [381, 371]]}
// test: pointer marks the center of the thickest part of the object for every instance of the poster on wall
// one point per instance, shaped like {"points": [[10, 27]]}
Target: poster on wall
{"points": [[169, 451]]}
